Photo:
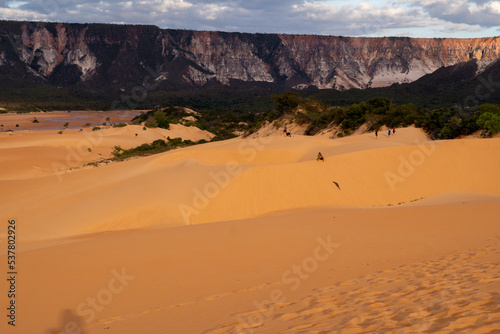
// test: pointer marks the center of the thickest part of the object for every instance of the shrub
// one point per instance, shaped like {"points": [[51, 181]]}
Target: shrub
{"points": [[490, 122], [151, 123], [161, 120], [285, 102], [159, 142], [117, 150], [119, 125], [191, 123], [175, 142]]}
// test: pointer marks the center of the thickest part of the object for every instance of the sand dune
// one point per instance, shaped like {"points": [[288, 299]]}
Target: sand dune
{"points": [[386, 263], [32, 154], [196, 185], [254, 235]]}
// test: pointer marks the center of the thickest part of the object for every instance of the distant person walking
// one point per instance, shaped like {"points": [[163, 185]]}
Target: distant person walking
{"points": [[320, 157], [284, 131], [389, 133], [393, 130], [376, 133]]}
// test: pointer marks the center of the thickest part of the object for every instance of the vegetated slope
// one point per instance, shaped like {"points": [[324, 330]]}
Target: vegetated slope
{"points": [[465, 84]]}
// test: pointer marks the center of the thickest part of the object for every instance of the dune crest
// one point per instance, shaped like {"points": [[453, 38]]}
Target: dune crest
{"points": [[243, 178]]}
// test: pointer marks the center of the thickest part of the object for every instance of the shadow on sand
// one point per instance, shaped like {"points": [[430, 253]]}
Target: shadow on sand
{"points": [[70, 323]]}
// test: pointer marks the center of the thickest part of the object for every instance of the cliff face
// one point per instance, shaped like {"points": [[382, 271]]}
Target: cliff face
{"points": [[68, 54]]}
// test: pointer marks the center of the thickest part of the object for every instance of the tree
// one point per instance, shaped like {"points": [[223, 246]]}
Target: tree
{"points": [[150, 123], [285, 102], [489, 121], [161, 119], [489, 107]]}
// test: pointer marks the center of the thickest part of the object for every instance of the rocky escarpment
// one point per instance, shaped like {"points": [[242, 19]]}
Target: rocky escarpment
{"points": [[125, 56]]}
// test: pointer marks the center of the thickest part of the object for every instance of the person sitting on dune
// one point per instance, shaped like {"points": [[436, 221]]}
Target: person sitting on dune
{"points": [[320, 157]]}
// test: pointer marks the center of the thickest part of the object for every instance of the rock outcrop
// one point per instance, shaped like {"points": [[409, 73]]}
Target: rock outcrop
{"points": [[122, 55]]}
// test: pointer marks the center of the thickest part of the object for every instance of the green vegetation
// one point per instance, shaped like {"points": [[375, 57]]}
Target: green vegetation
{"points": [[151, 123], [119, 125], [221, 123], [158, 146], [286, 102], [489, 118], [440, 123]]}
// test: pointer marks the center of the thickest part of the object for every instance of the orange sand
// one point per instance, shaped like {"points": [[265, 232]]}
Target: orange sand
{"points": [[391, 235]]}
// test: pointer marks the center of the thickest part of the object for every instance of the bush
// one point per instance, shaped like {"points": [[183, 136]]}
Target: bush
{"points": [[191, 123], [119, 125], [157, 146], [159, 142], [490, 122], [285, 102], [151, 123], [161, 120]]}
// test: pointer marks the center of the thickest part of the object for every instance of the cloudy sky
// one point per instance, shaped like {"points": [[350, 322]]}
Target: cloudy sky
{"points": [[414, 18]]}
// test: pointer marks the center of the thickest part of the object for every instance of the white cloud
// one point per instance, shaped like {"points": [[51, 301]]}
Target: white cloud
{"points": [[494, 7], [14, 13], [351, 18], [480, 13]]}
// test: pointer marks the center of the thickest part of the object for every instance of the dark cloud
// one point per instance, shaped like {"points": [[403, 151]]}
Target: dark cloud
{"points": [[480, 13], [280, 16]]}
